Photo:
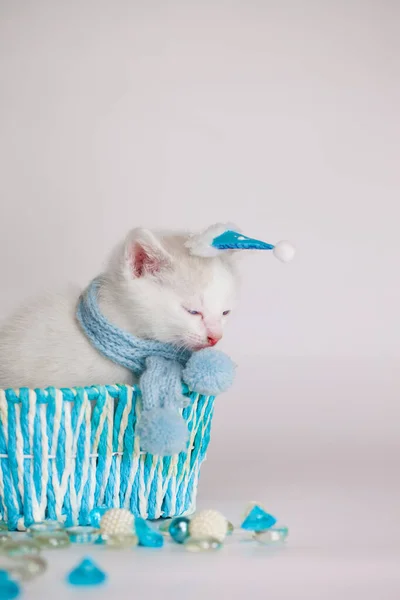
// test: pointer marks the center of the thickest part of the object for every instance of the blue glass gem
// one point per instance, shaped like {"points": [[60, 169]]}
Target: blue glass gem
{"points": [[148, 536], [96, 514], [237, 241], [8, 588], [258, 520], [179, 529], [86, 573]]}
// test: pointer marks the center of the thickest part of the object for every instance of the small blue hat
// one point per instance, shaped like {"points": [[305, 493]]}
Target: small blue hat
{"points": [[219, 238]]}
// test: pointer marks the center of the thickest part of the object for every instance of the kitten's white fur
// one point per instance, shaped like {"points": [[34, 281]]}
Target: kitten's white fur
{"points": [[149, 282]]}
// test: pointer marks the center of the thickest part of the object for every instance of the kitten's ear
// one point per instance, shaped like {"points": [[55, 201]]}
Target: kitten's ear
{"points": [[145, 254]]}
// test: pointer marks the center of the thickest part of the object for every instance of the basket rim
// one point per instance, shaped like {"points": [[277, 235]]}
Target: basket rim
{"points": [[69, 393]]}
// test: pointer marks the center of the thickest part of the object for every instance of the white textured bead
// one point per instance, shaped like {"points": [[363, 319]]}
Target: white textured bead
{"points": [[117, 521], [284, 251], [208, 524]]}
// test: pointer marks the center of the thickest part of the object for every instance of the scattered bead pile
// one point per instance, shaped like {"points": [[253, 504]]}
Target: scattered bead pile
{"points": [[117, 528]]}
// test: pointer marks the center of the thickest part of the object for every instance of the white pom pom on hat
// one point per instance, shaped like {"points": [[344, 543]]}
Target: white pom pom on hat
{"points": [[284, 251]]}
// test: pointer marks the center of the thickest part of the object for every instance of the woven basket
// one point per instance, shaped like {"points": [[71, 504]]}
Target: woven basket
{"points": [[65, 451]]}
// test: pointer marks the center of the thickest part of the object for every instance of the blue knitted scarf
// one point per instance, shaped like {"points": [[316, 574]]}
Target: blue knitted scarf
{"points": [[160, 368], [119, 346]]}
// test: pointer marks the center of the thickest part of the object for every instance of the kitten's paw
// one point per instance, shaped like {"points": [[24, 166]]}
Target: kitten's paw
{"points": [[209, 372], [162, 431]]}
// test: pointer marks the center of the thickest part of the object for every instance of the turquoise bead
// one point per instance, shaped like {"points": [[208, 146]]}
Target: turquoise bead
{"points": [[96, 514], [9, 589], [258, 520], [86, 573], [179, 529], [148, 536]]}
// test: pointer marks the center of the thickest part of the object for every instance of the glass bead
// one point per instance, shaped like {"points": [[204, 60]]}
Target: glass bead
{"points": [[120, 541], [96, 514], [82, 535], [5, 537], [164, 526], [27, 567], [86, 573], [179, 529], [202, 544], [9, 589], [44, 527], [271, 536], [230, 528], [23, 547], [258, 520], [53, 540], [3, 526], [147, 536]]}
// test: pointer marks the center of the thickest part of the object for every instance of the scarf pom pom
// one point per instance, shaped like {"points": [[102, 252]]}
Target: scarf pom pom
{"points": [[209, 372], [162, 431]]}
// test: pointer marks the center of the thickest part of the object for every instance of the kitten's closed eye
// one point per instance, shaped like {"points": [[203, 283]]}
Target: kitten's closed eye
{"points": [[192, 312], [196, 312]]}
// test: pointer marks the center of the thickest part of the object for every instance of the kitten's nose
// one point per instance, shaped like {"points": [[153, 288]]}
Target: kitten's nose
{"points": [[213, 339]]}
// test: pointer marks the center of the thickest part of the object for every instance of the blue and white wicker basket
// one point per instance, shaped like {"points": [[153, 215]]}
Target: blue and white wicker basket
{"points": [[65, 451]]}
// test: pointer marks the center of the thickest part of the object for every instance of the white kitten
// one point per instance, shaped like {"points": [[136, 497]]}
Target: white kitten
{"points": [[152, 288]]}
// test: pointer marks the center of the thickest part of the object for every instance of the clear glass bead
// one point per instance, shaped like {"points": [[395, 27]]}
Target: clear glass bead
{"points": [[5, 537], [202, 544], [52, 540], [271, 536], [44, 527], [230, 528], [119, 541], [25, 568], [179, 529], [20, 547], [83, 535], [164, 526], [86, 573], [3, 526]]}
